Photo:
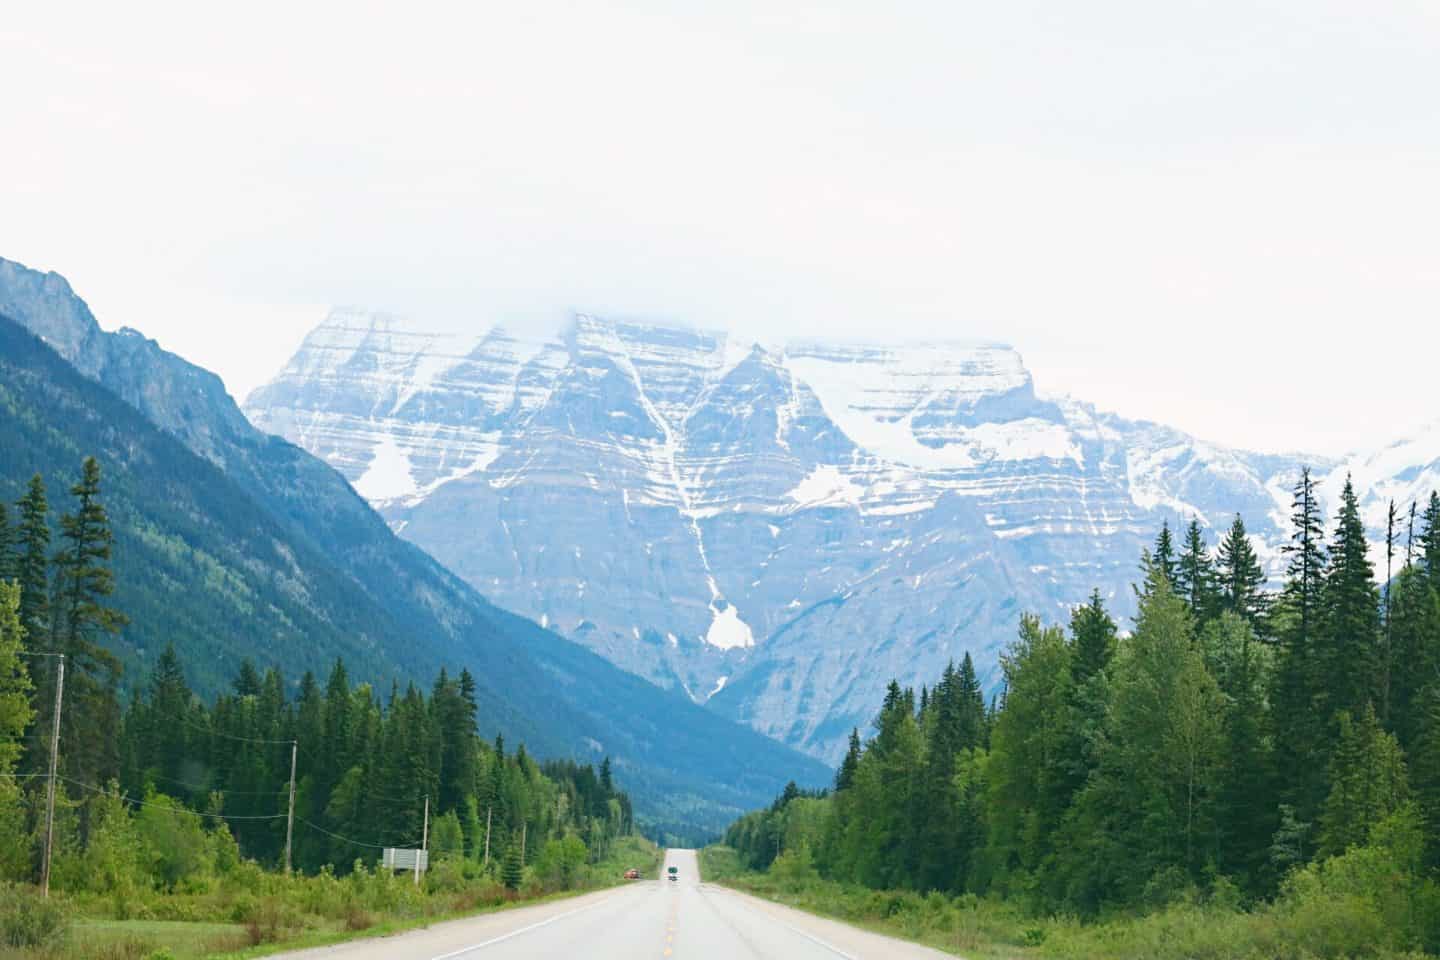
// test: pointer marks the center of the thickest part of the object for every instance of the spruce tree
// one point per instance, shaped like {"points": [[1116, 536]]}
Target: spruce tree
{"points": [[168, 712], [1349, 637], [1430, 540], [1163, 557], [1093, 632], [1424, 768], [1195, 577], [845, 776], [7, 547], [32, 565], [512, 872], [1299, 712], [15, 716], [1241, 579], [82, 622], [1368, 782], [15, 712], [968, 706], [1414, 629], [1387, 646]]}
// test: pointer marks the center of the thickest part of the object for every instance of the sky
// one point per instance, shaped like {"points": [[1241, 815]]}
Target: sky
{"points": [[1219, 215]]}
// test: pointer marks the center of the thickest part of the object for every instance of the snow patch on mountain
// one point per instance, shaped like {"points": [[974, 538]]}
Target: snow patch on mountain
{"points": [[823, 487], [727, 631], [388, 477]]}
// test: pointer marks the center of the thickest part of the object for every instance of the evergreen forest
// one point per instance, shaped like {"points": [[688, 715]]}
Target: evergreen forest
{"points": [[1237, 744]]}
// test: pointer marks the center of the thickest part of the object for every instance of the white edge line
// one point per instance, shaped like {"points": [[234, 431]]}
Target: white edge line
{"points": [[831, 947], [515, 933], [796, 930]]}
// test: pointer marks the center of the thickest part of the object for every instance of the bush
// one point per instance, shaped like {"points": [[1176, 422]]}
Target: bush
{"points": [[26, 920]]}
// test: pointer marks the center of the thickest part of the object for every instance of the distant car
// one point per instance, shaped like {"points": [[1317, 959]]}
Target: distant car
{"points": [[674, 873], [632, 874]]}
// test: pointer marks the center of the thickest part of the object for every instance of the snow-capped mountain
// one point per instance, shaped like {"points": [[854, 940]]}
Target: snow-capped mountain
{"points": [[776, 530]]}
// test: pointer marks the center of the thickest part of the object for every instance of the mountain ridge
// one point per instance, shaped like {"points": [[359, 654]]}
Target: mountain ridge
{"points": [[700, 491], [560, 698]]}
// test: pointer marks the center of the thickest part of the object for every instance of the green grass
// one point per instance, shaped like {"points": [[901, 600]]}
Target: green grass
{"points": [[1322, 925], [261, 914]]}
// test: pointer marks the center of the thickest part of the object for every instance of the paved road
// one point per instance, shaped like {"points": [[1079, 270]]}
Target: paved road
{"points": [[678, 920]]}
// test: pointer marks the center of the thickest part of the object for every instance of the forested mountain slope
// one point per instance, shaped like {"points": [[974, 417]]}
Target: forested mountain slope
{"points": [[256, 549]]}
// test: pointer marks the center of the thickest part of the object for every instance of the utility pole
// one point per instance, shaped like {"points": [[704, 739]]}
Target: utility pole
{"points": [[54, 769], [290, 817], [523, 827], [424, 838], [489, 812]]}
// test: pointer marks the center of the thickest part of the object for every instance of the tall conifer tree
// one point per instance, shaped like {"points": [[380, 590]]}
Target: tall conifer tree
{"points": [[1349, 637], [7, 546], [1299, 713], [32, 564], [1430, 540], [1241, 579], [1163, 557], [1195, 577], [82, 623]]}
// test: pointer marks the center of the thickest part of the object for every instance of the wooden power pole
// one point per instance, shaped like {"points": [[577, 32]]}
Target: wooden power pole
{"points": [[54, 770], [424, 838], [290, 817]]}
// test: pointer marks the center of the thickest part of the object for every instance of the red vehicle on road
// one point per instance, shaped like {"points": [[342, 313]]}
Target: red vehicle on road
{"points": [[632, 874]]}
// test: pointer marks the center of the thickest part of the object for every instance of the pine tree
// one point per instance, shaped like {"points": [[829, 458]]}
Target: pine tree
{"points": [[32, 565], [1349, 635], [1241, 579], [81, 622], [1195, 576]]}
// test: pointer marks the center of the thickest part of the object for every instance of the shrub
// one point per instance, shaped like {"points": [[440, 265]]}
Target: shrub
{"points": [[26, 920]]}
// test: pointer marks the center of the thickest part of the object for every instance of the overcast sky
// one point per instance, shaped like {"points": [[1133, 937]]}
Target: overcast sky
{"points": [[1212, 214]]}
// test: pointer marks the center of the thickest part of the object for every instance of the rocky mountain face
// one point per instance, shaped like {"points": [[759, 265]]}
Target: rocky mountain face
{"points": [[232, 543], [775, 530]]}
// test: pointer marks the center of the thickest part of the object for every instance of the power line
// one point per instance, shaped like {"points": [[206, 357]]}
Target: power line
{"points": [[358, 843], [173, 809], [216, 789], [231, 736]]}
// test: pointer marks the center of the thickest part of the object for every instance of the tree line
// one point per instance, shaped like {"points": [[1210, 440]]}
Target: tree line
{"points": [[367, 765], [1236, 733]]}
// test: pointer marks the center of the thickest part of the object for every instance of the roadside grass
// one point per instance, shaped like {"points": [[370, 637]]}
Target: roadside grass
{"points": [[1316, 925], [259, 914]]}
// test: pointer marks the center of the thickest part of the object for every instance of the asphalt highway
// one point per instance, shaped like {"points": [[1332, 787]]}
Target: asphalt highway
{"points": [[651, 918]]}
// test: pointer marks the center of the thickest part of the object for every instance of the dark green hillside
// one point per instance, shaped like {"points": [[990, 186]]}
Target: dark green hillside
{"points": [[196, 560], [201, 562]]}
